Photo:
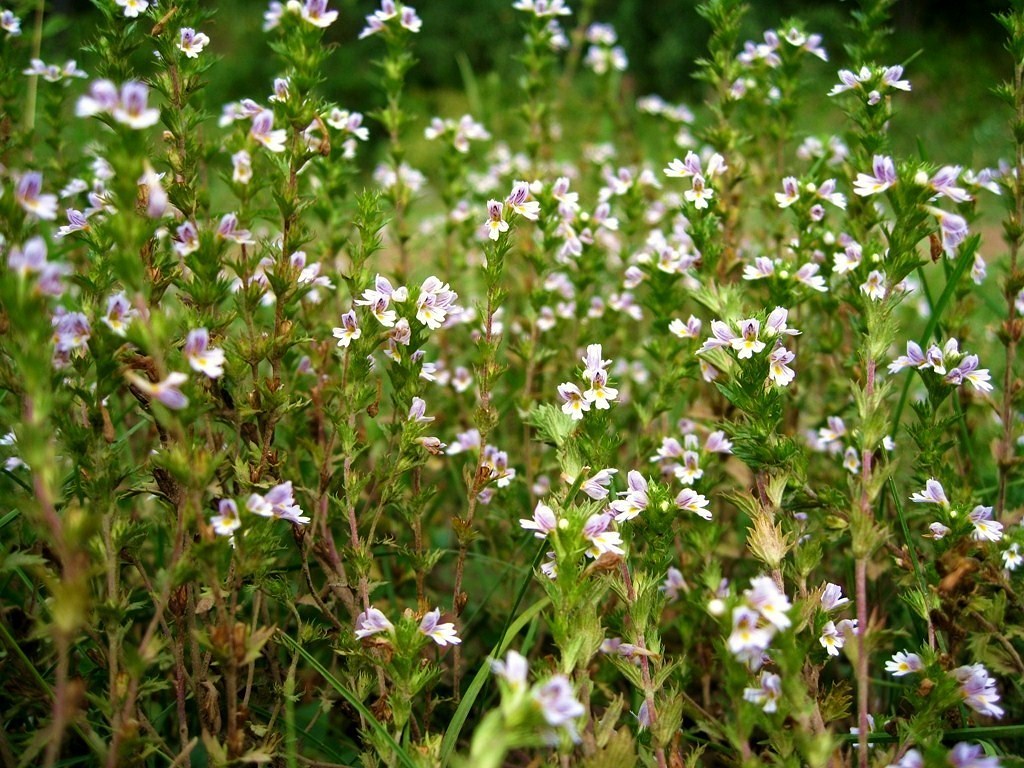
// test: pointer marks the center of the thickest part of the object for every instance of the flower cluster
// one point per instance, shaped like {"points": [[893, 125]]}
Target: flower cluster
{"points": [[459, 132], [373, 622], [700, 176], [595, 373], [129, 106], [871, 84], [554, 699], [746, 342], [604, 55], [762, 613], [947, 362], [390, 15], [983, 527], [518, 203], [683, 460]]}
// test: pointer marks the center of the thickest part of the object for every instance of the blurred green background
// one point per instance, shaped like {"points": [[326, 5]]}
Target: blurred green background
{"points": [[954, 50]]}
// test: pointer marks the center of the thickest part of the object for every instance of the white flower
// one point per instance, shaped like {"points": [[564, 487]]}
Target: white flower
{"points": [[903, 663], [132, 8], [442, 634], [191, 43]]}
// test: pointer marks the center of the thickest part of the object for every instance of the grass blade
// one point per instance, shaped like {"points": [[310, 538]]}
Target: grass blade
{"points": [[451, 735], [351, 698]]}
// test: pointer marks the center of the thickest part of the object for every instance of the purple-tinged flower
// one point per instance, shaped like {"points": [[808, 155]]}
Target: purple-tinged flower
{"points": [[442, 634], [717, 442], [519, 203], [241, 165], [903, 663], [674, 584], [832, 597], [875, 285], [316, 13], [409, 20], [689, 471], [373, 26], [132, 8], [273, 15], [228, 229], [263, 132], [349, 330], [747, 343], [71, 331], [937, 531], [432, 445], [514, 670], [768, 600], [985, 528], [544, 521], [574, 404], [808, 275], [133, 109], [191, 43], [749, 638], [29, 195], [495, 224], [761, 268], [226, 521], [371, 622], [418, 411], [892, 77], [202, 357], [847, 260], [278, 502], [596, 487], [688, 330], [790, 192], [348, 122], [851, 460], [29, 260], [102, 99], [557, 702], [849, 81], [186, 239], [767, 693], [952, 228], [120, 314], [831, 639], [827, 192], [600, 394], [978, 690], [883, 176], [435, 301], [688, 500], [156, 196], [635, 501], [168, 392], [933, 494], [602, 540], [913, 359], [944, 184], [699, 193], [968, 370], [542, 8], [52, 73], [965, 755], [10, 23], [779, 371]]}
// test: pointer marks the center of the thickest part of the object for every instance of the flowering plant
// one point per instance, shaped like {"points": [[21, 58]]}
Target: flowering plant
{"points": [[339, 433]]}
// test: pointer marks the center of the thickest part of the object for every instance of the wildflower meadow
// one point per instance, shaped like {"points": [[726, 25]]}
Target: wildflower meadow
{"points": [[549, 424]]}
